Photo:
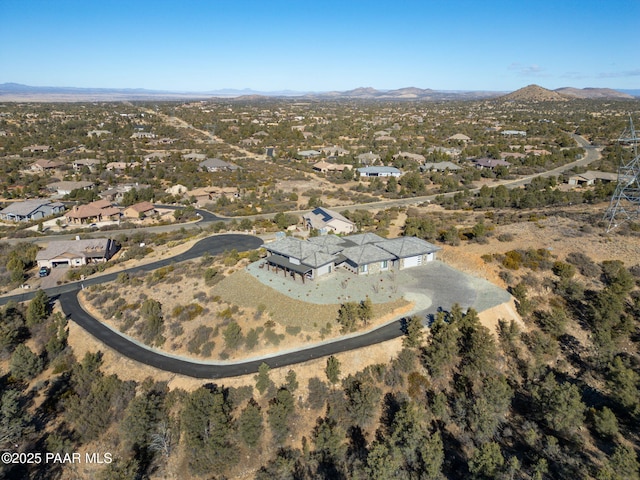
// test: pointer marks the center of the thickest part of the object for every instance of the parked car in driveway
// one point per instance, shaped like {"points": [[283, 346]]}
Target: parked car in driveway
{"points": [[44, 271]]}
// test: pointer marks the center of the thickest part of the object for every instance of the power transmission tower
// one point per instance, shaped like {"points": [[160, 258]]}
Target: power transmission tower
{"points": [[625, 202]]}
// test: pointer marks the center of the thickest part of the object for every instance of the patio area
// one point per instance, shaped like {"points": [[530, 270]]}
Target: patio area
{"points": [[433, 286]]}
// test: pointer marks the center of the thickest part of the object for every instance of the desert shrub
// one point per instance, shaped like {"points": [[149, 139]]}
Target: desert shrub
{"points": [[176, 329], [184, 313], [293, 330], [137, 252], [512, 260], [251, 339], [212, 276], [584, 264], [159, 275], [272, 337], [200, 297], [199, 338], [233, 337], [207, 348], [506, 237]]}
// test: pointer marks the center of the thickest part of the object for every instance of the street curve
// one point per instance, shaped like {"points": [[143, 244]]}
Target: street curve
{"points": [[213, 370], [67, 295]]}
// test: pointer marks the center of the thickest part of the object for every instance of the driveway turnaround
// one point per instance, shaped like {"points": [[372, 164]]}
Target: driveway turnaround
{"points": [[67, 295]]}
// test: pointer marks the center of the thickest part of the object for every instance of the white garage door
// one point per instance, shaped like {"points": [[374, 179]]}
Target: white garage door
{"points": [[412, 261]]}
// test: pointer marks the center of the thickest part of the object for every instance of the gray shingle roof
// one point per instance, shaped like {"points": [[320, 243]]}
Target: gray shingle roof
{"points": [[92, 247], [28, 206], [293, 247], [404, 247], [362, 238], [365, 254]]}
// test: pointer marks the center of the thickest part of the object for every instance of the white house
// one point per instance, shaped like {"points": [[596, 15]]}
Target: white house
{"points": [[327, 221], [379, 172]]}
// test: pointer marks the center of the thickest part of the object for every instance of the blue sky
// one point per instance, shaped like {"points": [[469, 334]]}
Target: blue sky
{"points": [[305, 45]]}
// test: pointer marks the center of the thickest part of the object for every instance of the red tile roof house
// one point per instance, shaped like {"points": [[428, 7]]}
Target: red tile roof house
{"points": [[44, 165], [98, 211], [140, 210]]}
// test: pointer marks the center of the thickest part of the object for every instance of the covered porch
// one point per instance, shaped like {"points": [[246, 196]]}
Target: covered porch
{"points": [[289, 268]]}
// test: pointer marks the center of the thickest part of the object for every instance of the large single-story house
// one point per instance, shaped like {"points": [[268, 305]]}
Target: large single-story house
{"points": [[325, 167], [66, 187], [379, 172], [76, 253], [36, 148], [368, 158], [590, 177], [90, 163], [30, 210], [439, 167], [490, 163], [327, 221], [361, 254], [98, 211], [45, 165], [217, 165]]}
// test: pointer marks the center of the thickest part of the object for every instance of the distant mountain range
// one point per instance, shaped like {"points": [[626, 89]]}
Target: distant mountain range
{"points": [[18, 92]]}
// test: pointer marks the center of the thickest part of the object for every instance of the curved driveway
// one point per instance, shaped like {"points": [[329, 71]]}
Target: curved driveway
{"points": [[67, 294]]}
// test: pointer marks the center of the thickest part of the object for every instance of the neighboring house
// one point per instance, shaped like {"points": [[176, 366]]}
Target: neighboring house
{"points": [[140, 210], [194, 156], [116, 194], [90, 163], [450, 151], [217, 165], [460, 137], [334, 151], [309, 153], [66, 187], [176, 189], [360, 254], [98, 133], [30, 210], [416, 157], [42, 166], [98, 211], [120, 167], [379, 172], [138, 135], [36, 148], [76, 253], [368, 158], [590, 177], [439, 167], [156, 157], [325, 167], [327, 221], [206, 195], [490, 163], [511, 133]]}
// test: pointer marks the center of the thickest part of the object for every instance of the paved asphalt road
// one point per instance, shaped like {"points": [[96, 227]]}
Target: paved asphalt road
{"points": [[214, 245], [67, 295], [190, 368]]}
